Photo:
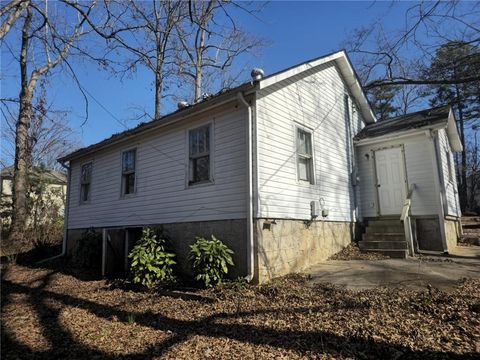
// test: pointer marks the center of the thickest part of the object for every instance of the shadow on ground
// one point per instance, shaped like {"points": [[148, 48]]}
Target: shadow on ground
{"points": [[65, 346]]}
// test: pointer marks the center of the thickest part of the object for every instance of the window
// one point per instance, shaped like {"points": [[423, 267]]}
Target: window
{"points": [[199, 154], [304, 156], [128, 172], [85, 180], [449, 165]]}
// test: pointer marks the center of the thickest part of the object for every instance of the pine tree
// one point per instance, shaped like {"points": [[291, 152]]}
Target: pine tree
{"points": [[454, 60], [382, 101]]}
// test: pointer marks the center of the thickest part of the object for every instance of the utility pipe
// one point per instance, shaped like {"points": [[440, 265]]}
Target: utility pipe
{"points": [[250, 237]]}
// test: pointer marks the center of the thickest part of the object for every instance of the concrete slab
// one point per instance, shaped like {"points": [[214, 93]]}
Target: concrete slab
{"points": [[440, 272]]}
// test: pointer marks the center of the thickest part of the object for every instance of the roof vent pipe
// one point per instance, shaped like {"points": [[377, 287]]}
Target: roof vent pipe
{"points": [[182, 104], [257, 74]]}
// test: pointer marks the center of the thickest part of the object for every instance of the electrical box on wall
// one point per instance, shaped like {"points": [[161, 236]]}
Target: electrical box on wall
{"points": [[315, 209], [324, 212]]}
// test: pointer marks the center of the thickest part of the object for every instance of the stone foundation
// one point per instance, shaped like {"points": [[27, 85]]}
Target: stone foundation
{"points": [[288, 246], [232, 232], [453, 230]]}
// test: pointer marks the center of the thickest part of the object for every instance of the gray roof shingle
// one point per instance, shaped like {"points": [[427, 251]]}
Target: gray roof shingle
{"points": [[420, 119]]}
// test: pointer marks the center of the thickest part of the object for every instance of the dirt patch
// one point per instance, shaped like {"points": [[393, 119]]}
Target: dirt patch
{"points": [[47, 314], [352, 252]]}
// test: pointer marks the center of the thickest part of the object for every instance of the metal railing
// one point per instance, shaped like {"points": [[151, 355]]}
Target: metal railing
{"points": [[405, 218]]}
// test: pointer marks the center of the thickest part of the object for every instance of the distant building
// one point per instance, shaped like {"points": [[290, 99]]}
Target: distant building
{"points": [[53, 181]]}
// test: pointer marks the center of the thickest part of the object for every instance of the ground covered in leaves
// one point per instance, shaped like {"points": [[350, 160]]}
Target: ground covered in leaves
{"points": [[353, 252], [47, 314]]}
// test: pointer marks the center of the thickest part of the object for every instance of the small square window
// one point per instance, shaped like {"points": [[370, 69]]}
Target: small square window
{"points": [[85, 181], [199, 154], [304, 156], [128, 172]]}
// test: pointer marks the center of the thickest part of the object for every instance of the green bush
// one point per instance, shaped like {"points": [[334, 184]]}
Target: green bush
{"points": [[210, 260], [151, 264]]}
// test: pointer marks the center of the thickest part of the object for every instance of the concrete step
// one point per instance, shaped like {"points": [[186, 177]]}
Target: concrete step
{"points": [[382, 245], [395, 254], [392, 226], [383, 236]]}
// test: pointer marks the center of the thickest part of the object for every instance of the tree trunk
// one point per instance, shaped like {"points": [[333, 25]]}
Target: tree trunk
{"points": [[158, 89], [200, 46], [20, 177], [198, 83], [20, 174]]}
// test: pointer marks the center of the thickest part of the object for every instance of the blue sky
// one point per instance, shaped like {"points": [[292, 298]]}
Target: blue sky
{"points": [[296, 31]]}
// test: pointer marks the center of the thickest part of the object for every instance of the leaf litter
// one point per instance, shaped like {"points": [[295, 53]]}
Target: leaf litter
{"points": [[47, 314]]}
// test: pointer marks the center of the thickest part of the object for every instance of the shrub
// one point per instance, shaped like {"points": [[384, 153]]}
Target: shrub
{"points": [[210, 260], [88, 253], [151, 264]]}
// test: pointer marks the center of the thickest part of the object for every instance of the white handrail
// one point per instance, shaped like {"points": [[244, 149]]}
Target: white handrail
{"points": [[405, 217]]}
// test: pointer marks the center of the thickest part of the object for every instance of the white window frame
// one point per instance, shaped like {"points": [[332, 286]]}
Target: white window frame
{"points": [[122, 175], [309, 131], [211, 155], [81, 201]]}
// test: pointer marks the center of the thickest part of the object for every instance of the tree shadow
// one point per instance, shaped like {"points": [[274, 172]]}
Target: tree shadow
{"points": [[64, 345]]}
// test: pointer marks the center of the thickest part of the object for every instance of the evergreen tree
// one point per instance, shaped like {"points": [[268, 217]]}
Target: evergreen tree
{"points": [[382, 101], [456, 60]]}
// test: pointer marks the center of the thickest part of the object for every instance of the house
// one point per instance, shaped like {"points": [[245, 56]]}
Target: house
{"points": [[53, 189], [286, 169]]}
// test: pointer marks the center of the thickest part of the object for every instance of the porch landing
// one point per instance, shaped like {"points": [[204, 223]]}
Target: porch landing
{"points": [[442, 272]]}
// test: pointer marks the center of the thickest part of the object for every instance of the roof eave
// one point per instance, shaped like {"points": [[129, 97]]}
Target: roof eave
{"points": [[452, 133], [398, 134]]}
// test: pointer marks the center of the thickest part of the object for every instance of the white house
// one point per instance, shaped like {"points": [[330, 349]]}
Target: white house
{"points": [[286, 169]]}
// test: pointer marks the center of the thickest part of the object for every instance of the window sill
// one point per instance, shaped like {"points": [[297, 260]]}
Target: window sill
{"points": [[305, 183], [128, 196], [200, 184]]}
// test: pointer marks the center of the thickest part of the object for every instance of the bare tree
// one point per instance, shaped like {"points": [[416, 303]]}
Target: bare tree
{"points": [[211, 42], [49, 134], [11, 12], [140, 33], [384, 58], [45, 41]]}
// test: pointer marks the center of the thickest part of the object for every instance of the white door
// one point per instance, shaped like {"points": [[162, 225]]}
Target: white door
{"points": [[390, 180]]}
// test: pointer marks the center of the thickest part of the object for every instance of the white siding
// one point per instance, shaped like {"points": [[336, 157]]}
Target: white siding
{"points": [[161, 192], [418, 157], [451, 190], [314, 100]]}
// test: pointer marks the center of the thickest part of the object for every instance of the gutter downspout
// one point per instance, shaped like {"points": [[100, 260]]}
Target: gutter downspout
{"points": [[250, 236], [65, 218]]}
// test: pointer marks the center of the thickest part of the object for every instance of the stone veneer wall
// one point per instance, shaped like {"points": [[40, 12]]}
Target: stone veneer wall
{"points": [[291, 246], [453, 230], [232, 232]]}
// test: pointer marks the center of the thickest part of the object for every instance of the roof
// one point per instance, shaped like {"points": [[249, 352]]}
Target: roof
{"points": [[52, 175], [340, 58], [422, 120], [199, 106]]}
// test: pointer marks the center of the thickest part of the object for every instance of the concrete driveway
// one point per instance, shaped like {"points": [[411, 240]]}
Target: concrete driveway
{"points": [[442, 272]]}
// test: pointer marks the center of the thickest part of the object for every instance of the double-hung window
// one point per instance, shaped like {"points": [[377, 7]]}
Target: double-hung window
{"points": [[128, 171], [304, 156], [199, 155], [85, 181]]}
